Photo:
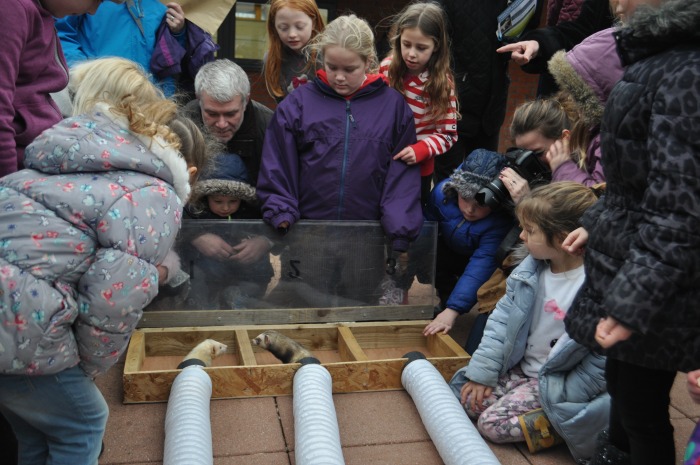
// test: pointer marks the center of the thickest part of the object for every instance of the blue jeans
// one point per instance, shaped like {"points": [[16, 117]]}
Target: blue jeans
{"points": [[58, 419]]}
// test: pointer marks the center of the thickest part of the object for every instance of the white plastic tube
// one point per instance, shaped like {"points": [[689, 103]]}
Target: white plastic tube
{"points": [[316, 434], [187, 423], [457, 440]]}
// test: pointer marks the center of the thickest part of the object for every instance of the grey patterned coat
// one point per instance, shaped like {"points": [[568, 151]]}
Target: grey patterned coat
{"points": [[643, 255], [81, 230]]}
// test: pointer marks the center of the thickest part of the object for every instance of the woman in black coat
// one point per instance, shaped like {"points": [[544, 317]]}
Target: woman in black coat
{"points": [[640, 301]]}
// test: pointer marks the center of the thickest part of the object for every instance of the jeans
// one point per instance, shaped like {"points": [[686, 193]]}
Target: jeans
{"points": [[59, 419]]}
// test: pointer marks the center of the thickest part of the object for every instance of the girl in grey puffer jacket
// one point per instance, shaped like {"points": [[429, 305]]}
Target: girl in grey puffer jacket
{"points": [[84, 226]]}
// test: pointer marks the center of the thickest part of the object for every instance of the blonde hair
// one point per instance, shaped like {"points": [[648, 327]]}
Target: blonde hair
{"points": [[580, 127], [348, 32], [556, 208], [273, 62], [430, 19], [125, 87]]}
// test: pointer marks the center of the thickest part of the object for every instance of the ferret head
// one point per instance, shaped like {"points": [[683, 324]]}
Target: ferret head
{"points": [[215, 348], [262, 340]]}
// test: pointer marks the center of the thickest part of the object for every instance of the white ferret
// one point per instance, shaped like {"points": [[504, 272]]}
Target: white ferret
{"points": [[283, 347], [205, 351]]}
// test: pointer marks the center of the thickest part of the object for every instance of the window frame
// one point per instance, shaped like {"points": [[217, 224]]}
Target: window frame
{"points": [[226, 35]]}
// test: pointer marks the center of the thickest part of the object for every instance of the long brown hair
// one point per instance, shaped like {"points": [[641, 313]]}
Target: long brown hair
{"points": [[430, 19], [273, 62]]}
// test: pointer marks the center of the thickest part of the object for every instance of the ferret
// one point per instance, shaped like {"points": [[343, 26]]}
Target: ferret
{"points": [[203, 353], [284, 348]]}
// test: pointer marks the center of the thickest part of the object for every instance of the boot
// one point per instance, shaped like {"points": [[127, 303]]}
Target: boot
{"points": [[539, 432], [607, 454]]}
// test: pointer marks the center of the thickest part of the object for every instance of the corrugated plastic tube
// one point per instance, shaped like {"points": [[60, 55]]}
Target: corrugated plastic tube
{"points": [[316, 433], [457, 440], [187, 423]]}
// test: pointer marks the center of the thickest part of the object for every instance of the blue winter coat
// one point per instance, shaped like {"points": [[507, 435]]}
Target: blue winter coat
{"points": [[113, 31], [572, 380], [330, 158], [477, 240], [83, 228]]}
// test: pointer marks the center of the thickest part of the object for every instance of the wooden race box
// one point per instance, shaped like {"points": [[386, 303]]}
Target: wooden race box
{"points": [[363, 356]]}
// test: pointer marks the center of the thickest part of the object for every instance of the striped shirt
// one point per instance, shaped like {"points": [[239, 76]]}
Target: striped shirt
{"points": [[435, 136]]}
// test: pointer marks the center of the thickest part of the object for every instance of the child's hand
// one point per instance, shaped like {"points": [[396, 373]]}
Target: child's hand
{"points": [[609, 332], [575, 242], [162, 274], [250, 250], [517, 185], [694, 385], [443, 322], [558, 153], [213, 246], [407, 155], [478, 392], [175, 17]]}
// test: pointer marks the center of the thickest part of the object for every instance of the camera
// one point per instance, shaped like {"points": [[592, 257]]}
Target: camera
{"points": [[527, 164]]}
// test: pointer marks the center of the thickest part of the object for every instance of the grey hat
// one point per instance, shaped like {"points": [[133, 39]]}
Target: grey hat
{"points": [[480, 167]]}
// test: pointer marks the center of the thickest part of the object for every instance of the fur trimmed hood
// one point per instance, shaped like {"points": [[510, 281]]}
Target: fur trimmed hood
{"points": [[226, 176], [589, 72], [652, 30]]}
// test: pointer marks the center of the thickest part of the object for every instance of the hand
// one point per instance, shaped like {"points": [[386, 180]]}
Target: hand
{"points": [[575, 242], [213, 246], [517, 185], [175, 17], [443, 322], [478, 391], [694, 385], [558, 153], [251, 249], [609, 332], [162, 274], [521, 52], [407, 155]]}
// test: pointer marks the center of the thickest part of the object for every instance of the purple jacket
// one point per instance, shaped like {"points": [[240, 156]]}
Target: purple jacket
{"points": [[32, 67], [589, 72], [328, 158]]}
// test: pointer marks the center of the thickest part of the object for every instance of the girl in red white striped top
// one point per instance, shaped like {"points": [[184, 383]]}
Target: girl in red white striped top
{"points": [[419, 67]]}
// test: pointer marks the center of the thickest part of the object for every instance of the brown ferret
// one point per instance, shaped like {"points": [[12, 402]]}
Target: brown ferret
{"points": [[284, 348], [206, 351]]}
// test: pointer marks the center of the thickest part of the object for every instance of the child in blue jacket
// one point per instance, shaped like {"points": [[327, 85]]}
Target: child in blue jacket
{"points": [[468, 238]]}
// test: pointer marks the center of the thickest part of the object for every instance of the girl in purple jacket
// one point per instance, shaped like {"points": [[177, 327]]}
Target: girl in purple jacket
{"points": [[328, 151]]}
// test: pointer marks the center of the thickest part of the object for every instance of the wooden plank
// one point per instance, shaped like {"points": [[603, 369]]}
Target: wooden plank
{"points": [[176, 318], [442, 345], [136, 353], [244, 348], [348, 347], [388, 334]]}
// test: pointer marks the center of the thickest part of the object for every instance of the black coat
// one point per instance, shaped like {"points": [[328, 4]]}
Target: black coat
{"points": [[481, 77], [643, 255], [595, 16]]}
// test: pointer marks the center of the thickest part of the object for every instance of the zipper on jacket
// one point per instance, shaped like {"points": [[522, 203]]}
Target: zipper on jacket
{"points": [[348, 120]]}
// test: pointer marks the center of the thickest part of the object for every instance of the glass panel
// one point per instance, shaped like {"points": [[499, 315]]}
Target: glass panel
{"points": [[251, 31], [318, 264]]}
